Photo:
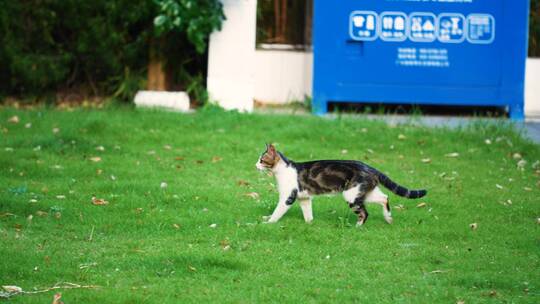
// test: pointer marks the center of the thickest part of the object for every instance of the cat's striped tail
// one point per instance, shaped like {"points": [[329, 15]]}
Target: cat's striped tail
{"points": [[399, 190]]}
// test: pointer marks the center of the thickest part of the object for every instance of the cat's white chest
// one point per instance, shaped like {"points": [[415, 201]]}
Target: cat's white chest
{"points": [[287, 179]]}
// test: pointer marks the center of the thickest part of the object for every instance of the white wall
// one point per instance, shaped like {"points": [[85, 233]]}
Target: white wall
{"points": [[282, 76], [532, 88], [231, 56]]}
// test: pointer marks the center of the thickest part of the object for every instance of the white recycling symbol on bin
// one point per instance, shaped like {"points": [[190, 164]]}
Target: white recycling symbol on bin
{"points": [[393, 27], [363, 25], [451, 28], [423, 27]]}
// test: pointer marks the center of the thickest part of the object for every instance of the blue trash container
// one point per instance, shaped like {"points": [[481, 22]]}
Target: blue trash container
{"points": [[424, 52]]}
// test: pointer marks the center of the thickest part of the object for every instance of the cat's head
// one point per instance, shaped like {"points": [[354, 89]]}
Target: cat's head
{"points": [[269, 159]]}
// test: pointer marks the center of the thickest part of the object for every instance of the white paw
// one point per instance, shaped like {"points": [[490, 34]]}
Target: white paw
{"points": [[359, 224], [265, 217], [389, 220], [309, 221]]}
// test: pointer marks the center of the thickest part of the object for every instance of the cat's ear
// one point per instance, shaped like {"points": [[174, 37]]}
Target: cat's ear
{"points": [[271, 149]]}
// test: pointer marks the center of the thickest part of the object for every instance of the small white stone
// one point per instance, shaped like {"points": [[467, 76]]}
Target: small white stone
{"points": [[213, 226], [163, 185]]}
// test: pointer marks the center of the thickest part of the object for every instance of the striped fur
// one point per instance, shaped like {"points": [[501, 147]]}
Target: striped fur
{"points": [[357, 181], [399, 190]]}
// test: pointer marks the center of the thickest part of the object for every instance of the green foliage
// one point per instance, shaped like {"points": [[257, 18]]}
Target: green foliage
{"points": [[48, 45], [196, 18], [128, 85], [57, 44]]}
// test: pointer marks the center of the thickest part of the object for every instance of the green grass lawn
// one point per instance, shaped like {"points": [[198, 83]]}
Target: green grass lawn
{"points": [[201, 238]]}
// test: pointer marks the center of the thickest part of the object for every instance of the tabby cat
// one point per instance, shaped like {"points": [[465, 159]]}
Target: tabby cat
{"points": [[357, 181]]}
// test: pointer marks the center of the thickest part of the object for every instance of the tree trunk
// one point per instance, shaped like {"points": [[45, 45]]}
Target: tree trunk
{"points": [[158, 77]]}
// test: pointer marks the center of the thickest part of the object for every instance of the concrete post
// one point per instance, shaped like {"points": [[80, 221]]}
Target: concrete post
{"points": [[231, 57]]}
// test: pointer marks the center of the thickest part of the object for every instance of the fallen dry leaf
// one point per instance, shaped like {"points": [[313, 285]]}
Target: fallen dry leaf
{"points": [[253, 195], [95, 159], [176, 226], [41, 213], [498, 186], [100, 148], [426, 160], [216, 159], [453, 154], [213, 226], [99, 201], [473, 226], [399, 207], [242, 183], [191, 268], [421, 205], [60, 196], [225, 245], [167, 147], [12, 288], [179, 158], [14, 119]]}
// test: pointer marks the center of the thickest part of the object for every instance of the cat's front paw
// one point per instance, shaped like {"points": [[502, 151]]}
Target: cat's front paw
{"points": [[267, 219]]}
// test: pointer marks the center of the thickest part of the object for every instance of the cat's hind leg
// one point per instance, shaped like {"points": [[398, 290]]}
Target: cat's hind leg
{"points": [[378, 197], [305, 204], [355, 197]]}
